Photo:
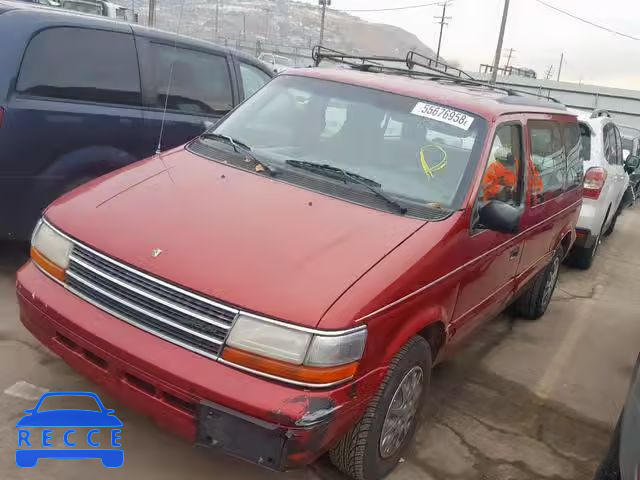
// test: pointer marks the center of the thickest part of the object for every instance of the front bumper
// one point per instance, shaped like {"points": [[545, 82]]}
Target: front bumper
{"points": [[182, 391]]}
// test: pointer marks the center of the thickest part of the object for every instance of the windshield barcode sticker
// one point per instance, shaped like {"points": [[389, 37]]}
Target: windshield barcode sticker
{"points": [[443, 114]]}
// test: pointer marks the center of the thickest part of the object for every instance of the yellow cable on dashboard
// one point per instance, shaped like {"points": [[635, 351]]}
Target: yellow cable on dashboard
{"points": [[439, 166]]}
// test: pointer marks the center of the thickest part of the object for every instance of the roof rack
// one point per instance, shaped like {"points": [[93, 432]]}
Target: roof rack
{"points": [[600, 112], [432, 69], [432, 64], [377, 63]]}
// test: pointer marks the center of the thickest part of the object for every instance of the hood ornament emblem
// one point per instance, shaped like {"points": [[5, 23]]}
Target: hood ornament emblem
{"points": [[156, 252]]}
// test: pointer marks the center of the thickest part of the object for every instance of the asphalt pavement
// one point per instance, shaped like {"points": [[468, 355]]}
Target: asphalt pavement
{"points": [[522, 401]]}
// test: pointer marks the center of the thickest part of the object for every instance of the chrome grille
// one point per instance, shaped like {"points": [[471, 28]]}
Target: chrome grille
{"points": [[157, 307]]}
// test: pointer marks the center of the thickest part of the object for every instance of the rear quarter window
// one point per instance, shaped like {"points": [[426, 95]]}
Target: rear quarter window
{"points": [[200, 82], [585, 142], [573, 147], [253, 79], [81, 64]]}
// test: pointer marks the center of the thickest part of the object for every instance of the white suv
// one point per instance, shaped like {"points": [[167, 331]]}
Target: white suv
{"points": [[605, 182]]}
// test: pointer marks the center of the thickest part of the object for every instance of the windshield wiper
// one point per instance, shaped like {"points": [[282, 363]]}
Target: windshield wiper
{"points": [[239, 147], [346, 176]]}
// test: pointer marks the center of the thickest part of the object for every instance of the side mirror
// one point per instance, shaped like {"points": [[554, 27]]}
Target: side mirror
{"points": [[500, 217]]}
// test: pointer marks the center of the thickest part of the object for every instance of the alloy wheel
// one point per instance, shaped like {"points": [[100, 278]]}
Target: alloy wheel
{"points": [[401, 412]]}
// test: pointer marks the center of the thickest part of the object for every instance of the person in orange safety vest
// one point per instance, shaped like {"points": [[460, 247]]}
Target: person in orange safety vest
{"points": [[501, 179]]}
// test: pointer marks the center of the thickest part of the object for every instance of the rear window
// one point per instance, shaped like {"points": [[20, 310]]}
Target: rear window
{"points": [[419, 153], [81, 64], [200, 82]]}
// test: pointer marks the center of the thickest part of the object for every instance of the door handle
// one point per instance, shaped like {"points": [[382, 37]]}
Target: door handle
{"points": [[514, 253]]}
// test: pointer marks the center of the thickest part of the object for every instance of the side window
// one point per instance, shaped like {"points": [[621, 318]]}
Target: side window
{"points": [[81, 64], [585, 142], [548, 160], [609, 145], [619, 152], [502, 177], [200, 82], [572, 145], [253, 79]]}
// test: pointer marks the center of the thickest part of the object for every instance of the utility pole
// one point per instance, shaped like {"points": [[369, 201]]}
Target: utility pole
{"points": [[217, 18], [442, 20], [509, 54], [244, 26], [324, 4], [560, 66], [496, 59], [549, 72], [152, 13]]}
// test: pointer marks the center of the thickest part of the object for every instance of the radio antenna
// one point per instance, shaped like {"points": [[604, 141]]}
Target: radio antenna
{"points": [[166, 98]]}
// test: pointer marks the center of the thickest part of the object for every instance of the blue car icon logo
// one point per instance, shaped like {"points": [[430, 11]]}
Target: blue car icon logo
{"points": [[32, 446]]}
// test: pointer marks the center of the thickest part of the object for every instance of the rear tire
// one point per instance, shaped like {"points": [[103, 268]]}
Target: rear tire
{"points": [[582, 257], [359, 454], [533, 302]]}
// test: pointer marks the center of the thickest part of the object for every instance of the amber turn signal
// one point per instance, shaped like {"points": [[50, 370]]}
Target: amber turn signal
{"points": [[287, 371], [47, 265]]}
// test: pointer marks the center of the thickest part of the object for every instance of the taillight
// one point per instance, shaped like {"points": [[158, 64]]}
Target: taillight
{"points": [[1, 116], [594, 182]]}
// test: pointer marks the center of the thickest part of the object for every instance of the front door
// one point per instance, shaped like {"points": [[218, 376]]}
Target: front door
{"points": [[487, 284], [74, 115]]}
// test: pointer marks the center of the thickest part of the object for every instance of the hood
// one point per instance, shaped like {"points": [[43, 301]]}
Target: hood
{"points": [[244, 239]]}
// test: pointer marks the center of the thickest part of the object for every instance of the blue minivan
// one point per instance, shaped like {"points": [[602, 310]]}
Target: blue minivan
{"points": [[82, 95]]}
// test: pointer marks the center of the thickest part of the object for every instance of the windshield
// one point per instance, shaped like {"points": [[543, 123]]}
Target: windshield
{"points": [[409, 147]]}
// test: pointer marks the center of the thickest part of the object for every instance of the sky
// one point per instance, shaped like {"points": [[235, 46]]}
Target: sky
{"points": [[538, 34]]}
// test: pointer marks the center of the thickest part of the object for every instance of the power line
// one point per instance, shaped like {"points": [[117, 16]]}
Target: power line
{"points": [[408, 7], [588, 22]]}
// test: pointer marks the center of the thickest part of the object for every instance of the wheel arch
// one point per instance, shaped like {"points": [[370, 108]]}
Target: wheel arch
{"points": [[429, 324], [435, 335]]}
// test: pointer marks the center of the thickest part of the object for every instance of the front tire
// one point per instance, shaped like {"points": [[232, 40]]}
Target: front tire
{"points": [[374, 445], [533, 302]]}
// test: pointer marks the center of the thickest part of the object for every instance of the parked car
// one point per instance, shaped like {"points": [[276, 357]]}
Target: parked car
{"points": [[630, 136], [605, 183], [632, 167], [100, 7], [276, 290], [622, 461], [82, 95], [275, 62]]}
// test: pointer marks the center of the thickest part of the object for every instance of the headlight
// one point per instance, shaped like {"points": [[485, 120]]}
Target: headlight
{"points": [[50, 250], [327, 351], [291, 354], [269, 340]]}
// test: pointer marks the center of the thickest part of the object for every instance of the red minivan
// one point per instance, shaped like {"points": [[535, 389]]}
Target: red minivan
{"points": [[281, 286]]}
